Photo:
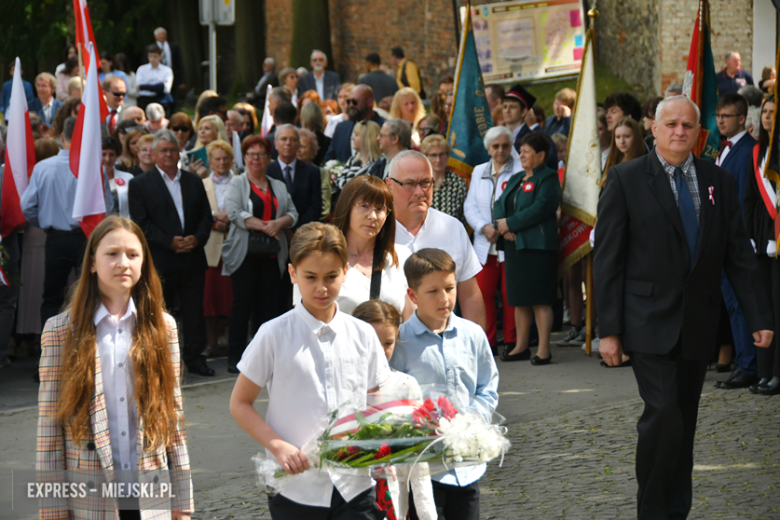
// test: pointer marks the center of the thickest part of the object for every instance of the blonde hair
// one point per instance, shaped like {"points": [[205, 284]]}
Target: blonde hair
{"points": [[48, 76], [144, 139], [369, 146], [312, 117], [76, 82], [316, 237], [222, 145], [203, 95], [433, 141], [219, 126], [567, 97], [395, 108]]}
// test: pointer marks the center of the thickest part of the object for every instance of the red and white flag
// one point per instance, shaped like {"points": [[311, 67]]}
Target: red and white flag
{"points": [[268, 121], [84, 32], [19, 156], [89, 207]]}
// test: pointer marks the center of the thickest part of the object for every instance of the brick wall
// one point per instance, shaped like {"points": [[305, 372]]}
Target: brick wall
{"points": [[278, 31]]}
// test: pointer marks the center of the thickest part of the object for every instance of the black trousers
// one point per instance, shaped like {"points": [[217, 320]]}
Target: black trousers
{"points": [[189, 286], [768, 359], [9, 294], [255, 285], [362, 507], [452, 502], [671, 387], [64, 251]]}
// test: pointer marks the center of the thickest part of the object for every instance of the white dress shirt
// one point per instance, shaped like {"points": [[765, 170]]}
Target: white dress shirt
{"points": [[356, 289], [604, 156], [312, 368], [320, 84], [726, 149], [515, 132], [114, 340], [47, 111], [148, 75], [167, 57], [174, 188], [444, 232]]}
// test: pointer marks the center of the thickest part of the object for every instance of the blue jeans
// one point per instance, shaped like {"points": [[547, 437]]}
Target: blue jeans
{"points": [[744, 349]]}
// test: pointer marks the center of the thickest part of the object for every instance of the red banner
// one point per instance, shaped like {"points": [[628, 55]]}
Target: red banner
{"points": [[573, 242]]}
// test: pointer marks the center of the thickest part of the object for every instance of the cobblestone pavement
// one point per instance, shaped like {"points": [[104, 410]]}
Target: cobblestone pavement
{"points": [[580, 465]]}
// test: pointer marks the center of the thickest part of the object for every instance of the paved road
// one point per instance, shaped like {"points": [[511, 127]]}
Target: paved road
{"points": [[572, 426]]}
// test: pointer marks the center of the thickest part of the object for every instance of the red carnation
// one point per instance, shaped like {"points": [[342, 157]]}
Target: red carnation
{"points": [[383, 452], [447, 409]]}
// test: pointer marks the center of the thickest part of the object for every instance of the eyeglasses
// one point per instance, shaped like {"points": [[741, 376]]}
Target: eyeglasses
{"points": [[119, 94], [366, 208], [180, 129], [256, 156], [425, 184], [424, 131], [726, 116]]}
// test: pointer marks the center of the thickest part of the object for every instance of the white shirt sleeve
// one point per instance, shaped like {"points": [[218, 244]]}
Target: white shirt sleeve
{"points": [[257, 362], [471, 265]]}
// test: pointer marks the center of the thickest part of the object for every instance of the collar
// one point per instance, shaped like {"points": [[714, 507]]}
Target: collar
{"points": [[686, 164], [517, 131], [422, 227], [49, 104], [736, 138], [225, 179], [102, 312], [315, 325], [419, 328], [283, 164], [165, 175], [508, 168]]}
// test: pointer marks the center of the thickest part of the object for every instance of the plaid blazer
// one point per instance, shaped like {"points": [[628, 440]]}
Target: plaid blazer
{"points": [[56, 449]]}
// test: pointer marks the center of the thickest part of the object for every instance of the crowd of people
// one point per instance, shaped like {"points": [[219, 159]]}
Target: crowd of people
{"points": [[345, 203]]}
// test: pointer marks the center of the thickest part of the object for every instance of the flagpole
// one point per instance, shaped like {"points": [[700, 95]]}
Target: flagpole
{"points": [[592, 14]]}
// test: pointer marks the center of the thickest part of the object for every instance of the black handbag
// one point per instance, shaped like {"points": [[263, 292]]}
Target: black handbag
{"points": [[376, 275], [261, 245]]}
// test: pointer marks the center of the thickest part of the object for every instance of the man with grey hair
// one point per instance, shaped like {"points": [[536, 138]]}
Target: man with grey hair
{"points": [[418, 226], [172, 209], [395, 136], [47, 203], [675, 89], [156, 121], [325, 82], [732, 77], [171, 56], [669, 224]]}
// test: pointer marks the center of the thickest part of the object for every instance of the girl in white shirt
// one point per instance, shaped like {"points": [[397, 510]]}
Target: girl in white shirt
{"points": [[110, 372]]}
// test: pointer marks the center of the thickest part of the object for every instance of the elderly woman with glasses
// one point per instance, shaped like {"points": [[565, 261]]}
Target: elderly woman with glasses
{"points": [[364, 214], [449, 190], [254, 253], [487, 184]]}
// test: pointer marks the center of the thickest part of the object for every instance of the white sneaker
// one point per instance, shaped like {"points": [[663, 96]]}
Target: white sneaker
{"points": [[594, 345]]}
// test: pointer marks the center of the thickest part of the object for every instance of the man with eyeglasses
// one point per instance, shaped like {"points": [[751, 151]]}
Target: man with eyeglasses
{"points": [[114, 91], [324, 82], [171, 207], [736, 157], [419, 226], [360, 107]]}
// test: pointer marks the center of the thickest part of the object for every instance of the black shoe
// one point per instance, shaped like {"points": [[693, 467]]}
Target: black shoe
{"points": [[525, 355], [201, 368], [233, 369], [626, 363], [536, 360], [738, 379], [723, 368], [771, 388], [754, 388]]}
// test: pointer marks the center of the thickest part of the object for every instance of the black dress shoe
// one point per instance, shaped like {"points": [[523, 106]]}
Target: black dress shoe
{"points": [[754, 388], [536, 360], [233, 369], [738, 379], [771, 388], [525, 355], [201, 369]]}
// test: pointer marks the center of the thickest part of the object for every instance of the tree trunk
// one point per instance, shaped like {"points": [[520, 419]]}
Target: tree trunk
{"points": [[249, 44], [184, 29], [310, 30]]}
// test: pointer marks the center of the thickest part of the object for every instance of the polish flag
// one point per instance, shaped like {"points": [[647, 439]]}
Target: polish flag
{"points": [[268, 121], [84, 32], [89, 207], [19, 156]]}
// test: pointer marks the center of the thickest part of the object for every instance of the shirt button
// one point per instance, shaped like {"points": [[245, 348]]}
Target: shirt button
{"points": [[121, 399], [126, 466], [120, 365], [124, 433], [120, 331]]}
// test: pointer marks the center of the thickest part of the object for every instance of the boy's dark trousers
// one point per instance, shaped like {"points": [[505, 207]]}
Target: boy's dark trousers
{"points": [[452, 502], [362, 507]]}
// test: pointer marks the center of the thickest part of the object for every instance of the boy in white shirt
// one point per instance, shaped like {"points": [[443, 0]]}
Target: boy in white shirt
{"points": [[313, 359]]}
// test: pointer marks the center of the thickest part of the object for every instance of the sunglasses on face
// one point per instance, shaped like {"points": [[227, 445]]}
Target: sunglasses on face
{"points": [[180, 129], [119, 94], [352, 101]]}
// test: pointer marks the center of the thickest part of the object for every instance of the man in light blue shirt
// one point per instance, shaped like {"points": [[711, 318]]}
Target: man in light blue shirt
{"points": [[48, 204], [438, 347]]}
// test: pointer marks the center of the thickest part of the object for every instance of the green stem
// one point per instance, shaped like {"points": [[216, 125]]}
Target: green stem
{"points": [[390, 457]]}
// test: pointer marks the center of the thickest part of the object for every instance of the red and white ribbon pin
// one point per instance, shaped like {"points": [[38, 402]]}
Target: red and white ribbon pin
{"points": [[712, 199]]}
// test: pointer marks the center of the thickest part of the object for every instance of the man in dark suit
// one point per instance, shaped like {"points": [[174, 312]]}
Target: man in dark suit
{"points": [[360, 105], [285, 113], [257, 98], [303, 180], [171, 56], [383, 84], [668, 224], [324, 82], [736, 157], [171, 207], [45, 105]]}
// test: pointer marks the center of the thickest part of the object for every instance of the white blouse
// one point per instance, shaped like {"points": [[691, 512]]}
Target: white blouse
{"points": [[357, 286]]}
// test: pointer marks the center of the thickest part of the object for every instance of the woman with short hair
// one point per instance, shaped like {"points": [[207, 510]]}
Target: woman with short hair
{"points": [[181, 126], [449, 190], [288, 77], [145, 154], [313, 119], [526, 218], [255, 251], [487, 184], [408, 106], [210, 128]]}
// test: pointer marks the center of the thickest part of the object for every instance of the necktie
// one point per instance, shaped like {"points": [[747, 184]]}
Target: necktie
{"points": [[288, 178], [723, 146], [687, 213], [111, 122]]}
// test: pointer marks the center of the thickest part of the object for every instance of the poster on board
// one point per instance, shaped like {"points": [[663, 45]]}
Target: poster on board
{"points": [[529, 40]]}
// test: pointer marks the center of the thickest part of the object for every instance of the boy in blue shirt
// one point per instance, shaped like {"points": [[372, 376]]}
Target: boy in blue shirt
{"points": [[313, 359], [436, 346]]}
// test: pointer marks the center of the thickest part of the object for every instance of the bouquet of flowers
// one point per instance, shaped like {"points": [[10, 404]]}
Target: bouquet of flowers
{"points": [[423, 437]]}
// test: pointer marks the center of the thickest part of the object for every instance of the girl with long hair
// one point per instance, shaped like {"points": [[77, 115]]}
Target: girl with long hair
{"points": [[627, 144], [110, 374]]}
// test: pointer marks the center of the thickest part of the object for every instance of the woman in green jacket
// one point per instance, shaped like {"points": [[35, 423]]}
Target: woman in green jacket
{"points": [[525, 216]]}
